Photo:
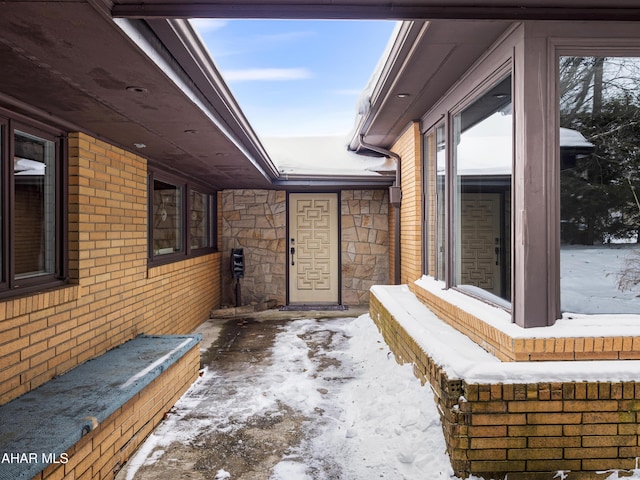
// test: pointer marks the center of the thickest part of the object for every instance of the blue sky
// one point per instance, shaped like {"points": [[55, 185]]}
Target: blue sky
{"points": [[296, 78]]}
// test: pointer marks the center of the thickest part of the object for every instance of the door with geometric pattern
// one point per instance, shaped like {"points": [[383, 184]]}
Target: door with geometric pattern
{"points": [[313, 248], [480, 260]]}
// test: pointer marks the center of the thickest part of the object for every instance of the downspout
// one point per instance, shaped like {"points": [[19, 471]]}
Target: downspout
{"points": [[395, 199]]}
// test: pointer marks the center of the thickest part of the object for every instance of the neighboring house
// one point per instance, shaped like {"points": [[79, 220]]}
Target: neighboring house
{"points": [[135, 173]]}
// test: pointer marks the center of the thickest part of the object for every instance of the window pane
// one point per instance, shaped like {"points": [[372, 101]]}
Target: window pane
{"points": [[440, 202], [34, 214], [199, 220], [599, 184], [483, 157], [167, 218], [2, 160]]}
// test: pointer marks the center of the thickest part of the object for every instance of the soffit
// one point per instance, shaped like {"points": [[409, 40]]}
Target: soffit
{"points": [[74, 64], [441, 55]]}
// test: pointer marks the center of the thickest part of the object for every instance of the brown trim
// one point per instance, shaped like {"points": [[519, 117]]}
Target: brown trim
{"points": [[406, 10], [186, 252], [9, 285]]}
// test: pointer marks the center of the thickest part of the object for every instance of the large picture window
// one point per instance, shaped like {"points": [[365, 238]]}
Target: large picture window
{"points": [[599, 184], [482, 159], [440, 236], [32, 220], [182, 219]]}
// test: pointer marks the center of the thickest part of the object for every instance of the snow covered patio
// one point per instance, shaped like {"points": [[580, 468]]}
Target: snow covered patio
{"points": [[519, 419], [299, 400], [324, 399]]}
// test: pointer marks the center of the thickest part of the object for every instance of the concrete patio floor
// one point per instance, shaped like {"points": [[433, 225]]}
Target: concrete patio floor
{"points": [[234, 348]]}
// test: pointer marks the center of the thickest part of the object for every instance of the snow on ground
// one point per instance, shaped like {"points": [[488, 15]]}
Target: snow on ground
{"points": [[589, 280], [368, 416], [371, 418]]}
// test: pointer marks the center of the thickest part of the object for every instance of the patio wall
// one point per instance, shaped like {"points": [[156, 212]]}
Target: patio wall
{"points": [[112, 295], [255, 220], [528, 431]]}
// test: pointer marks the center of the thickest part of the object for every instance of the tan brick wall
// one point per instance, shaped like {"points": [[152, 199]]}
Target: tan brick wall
{"points": [[112, 295], [102, 453], [531, 349], [525, 431], [393, 214], [408, 147]]}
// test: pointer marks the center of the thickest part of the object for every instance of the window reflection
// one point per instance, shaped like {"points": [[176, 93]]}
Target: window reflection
{"points": [[199, 219], [167, 218], [599, 184], [34, 193], [440, 202], [483, 165]]}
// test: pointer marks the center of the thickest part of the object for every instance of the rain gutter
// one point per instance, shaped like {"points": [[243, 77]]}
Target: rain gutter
{"points": [[292, 180], [393, 62], [395, 199]]}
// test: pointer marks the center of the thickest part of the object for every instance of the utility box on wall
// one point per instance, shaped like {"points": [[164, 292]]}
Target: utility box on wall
{"points": [[237, 263]]}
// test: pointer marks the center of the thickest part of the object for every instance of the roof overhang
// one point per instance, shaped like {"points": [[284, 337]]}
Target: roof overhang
{"points": [[145, 77], [383, 9], [425, 59], [69, 64]]}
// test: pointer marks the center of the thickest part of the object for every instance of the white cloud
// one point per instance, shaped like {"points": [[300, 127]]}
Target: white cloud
{"points": [[204, 25], [266, 74]]}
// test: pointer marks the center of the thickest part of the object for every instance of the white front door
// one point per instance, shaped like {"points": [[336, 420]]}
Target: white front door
{"points": [[313, 248]]}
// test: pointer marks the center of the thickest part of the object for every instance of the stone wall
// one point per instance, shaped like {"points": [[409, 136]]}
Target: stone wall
{"points": [[255, 220], [365, 243]]}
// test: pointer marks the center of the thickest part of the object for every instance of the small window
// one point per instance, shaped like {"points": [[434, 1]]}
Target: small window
{"points": [[167, 218], [181, 221], [440, 203], [34, 208], [199, 219]]}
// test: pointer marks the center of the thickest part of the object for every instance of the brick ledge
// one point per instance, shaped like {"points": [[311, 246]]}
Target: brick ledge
{"points": [[511, 343]]}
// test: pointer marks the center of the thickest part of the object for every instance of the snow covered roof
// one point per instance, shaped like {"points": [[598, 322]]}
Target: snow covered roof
{"points": [[322, 155]]}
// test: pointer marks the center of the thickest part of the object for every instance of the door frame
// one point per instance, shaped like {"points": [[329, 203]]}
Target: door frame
{"points": [[339, 234]]}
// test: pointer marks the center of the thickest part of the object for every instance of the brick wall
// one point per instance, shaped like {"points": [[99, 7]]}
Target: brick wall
{"points": [[112, 295], [408, 147], [526, 431]]}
